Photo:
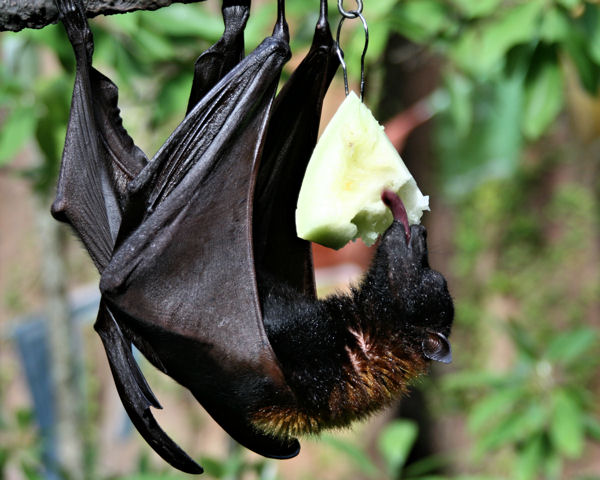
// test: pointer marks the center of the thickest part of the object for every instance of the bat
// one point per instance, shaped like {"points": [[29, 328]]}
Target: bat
{"points": [[200, 265]]}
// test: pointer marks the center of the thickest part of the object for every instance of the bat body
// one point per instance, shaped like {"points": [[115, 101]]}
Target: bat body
{"points": [[200, 265]]}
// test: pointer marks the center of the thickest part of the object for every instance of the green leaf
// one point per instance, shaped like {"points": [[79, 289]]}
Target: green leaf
{"points": [[10, 87], [24, 417], [477, 8], [524, 340], [17, 129], [352, 453], [420, 20], [172, 98], [481, 49], [530, 459], [553, 463], [471, 379], [213, 467], [378, 39], [155, 46], [234, 465], [53, 104], [260, 22], [461, 104], [588, 70], [381, 8], [592, 21], [128, 24], [555, 26], [514, 427], [492, 148], [265, 470], [569, 4], [572, 346], [593, 427], [20, 58], [419, 468], [543, 99], [567, 428], [493, 408], [52, 37], [147, 476], [185, 20], [395, 444]]}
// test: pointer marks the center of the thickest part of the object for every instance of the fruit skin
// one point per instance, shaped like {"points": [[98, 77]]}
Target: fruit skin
{"points": [[354, 161]]}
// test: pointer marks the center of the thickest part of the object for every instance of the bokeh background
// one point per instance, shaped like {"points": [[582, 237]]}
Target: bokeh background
{"points": [[495, 107]]}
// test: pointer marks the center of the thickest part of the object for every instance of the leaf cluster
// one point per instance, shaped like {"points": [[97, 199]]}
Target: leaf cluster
{"points": [[527, 386], [507, 69]]}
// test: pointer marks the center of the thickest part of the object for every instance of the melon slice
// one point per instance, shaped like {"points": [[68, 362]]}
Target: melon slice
{"points": [[352, 164]]}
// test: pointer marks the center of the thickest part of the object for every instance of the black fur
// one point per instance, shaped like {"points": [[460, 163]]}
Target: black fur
{"points": [[397, 305]]}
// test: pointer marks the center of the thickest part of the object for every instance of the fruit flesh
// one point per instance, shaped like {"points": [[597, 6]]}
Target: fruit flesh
{"points": [[352, 164]]}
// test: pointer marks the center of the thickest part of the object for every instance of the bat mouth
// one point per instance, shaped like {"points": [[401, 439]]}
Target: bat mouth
{"points": [[394, 203]]}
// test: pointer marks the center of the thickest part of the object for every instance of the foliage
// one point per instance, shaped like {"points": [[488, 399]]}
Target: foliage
{"points": [[393, 445], [504, 78], [529, 312], [34, 98], [233, 466], [506, 64], [20, 447]]}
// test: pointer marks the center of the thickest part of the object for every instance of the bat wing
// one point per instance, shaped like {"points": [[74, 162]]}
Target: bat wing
{"points": [[205, 131], [183, 280], [136, 396], [291, 138], [99, 159], [219, 59]]}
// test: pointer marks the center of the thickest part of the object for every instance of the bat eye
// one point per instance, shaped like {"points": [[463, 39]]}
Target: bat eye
{"points": [[437, 347]]}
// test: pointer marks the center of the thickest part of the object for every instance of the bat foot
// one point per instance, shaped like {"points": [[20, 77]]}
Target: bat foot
{"points": [[73, 16]]}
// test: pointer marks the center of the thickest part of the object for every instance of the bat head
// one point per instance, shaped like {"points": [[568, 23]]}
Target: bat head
{"points": [[422, 306]]}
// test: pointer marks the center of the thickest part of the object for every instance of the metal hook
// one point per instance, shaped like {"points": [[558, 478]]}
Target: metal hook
{"points": [[340, 53], [350, 13]]}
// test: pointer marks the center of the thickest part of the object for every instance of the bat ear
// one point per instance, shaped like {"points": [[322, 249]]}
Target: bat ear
{"points": [[437, 347]]}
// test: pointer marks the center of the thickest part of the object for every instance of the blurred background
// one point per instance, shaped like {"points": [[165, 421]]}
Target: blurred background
{"points": [[495, 107]]}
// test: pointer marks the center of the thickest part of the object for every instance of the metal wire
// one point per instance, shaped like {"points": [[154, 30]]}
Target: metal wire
{"points": [[351, 14]]}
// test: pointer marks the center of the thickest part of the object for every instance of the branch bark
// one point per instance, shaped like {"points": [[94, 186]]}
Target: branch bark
{"points": [[18, 14]]}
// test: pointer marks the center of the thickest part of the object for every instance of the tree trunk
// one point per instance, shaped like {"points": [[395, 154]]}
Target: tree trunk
{"points": [[16, 15]]}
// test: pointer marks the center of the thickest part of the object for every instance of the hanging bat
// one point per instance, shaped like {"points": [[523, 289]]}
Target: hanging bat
{"points": [[201, 268]]}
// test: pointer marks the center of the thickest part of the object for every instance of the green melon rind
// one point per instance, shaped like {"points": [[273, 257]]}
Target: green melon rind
{"points": [[353, 162]]}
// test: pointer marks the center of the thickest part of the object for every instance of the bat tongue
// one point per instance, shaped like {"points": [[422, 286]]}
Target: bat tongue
{"points": [[393, 201]]}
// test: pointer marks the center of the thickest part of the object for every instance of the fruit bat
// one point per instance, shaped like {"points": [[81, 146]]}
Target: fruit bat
{"points": [[201, 268]]}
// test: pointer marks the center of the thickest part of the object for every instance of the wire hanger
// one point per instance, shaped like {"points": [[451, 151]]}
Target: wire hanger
{"points": [[352, 14]]}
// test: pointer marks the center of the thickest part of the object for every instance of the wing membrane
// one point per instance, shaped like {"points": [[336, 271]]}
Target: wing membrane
{"points": [[184, 279], [291, 138]]}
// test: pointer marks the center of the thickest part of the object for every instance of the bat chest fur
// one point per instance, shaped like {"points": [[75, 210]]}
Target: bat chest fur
{"points": [[373, 373]]}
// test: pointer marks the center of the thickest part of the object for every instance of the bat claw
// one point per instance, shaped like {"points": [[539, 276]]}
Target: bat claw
{"points": [[72, 14]]}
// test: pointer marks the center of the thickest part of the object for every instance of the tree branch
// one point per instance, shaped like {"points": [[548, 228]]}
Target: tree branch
{"points": [[18, 14]]}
